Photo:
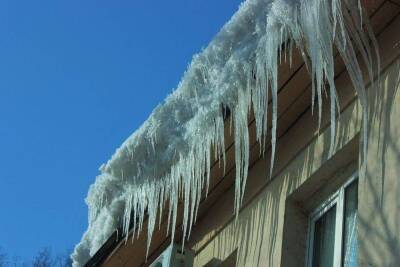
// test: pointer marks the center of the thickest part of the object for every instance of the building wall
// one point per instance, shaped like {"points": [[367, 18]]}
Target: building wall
{"points": [[379, 196], [270, 229]]}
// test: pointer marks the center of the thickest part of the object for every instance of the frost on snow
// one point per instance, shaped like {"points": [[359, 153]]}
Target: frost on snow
{"points": [[169, 156]]}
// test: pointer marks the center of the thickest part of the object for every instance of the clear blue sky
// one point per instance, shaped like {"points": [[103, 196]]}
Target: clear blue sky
{"points": [[76, 78]]}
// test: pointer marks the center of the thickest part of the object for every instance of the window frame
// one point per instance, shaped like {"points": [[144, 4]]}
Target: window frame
{"points": [[338, 199]]}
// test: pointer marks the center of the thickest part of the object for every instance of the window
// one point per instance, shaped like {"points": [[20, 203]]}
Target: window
{"points": [[332, 235]]}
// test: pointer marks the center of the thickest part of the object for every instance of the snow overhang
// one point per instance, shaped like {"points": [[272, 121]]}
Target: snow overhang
{"points": [[170, 154]]}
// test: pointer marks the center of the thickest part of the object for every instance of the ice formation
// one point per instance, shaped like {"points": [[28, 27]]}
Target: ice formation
{"points": [[169, 156]]}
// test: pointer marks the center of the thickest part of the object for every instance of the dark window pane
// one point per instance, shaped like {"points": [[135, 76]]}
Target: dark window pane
{"points": [[324, 239], [350, 244]]}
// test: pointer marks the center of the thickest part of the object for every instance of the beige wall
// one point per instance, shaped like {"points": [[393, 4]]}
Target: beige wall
{"points": [[379, 204], [257, 236]]}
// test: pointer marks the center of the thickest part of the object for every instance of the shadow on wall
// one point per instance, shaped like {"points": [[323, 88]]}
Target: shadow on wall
{"points": [[379, 205], [257, 234]]}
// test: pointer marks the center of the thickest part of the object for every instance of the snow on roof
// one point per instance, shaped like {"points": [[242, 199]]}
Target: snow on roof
{"points": [[172, 149]]}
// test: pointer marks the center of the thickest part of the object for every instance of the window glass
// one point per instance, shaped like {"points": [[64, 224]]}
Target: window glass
{"points": [[324, 239], [350, 244], [333, 229]]}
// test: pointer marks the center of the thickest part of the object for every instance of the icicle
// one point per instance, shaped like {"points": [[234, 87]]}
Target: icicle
{"points": [[274, 122], [241, 146]]}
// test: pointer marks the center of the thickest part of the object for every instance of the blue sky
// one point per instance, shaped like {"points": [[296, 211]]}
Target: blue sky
{"points": [[76, 79]]}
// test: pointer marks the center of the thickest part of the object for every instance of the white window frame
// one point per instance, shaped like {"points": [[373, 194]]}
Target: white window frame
{"points": [[336, 199]]}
